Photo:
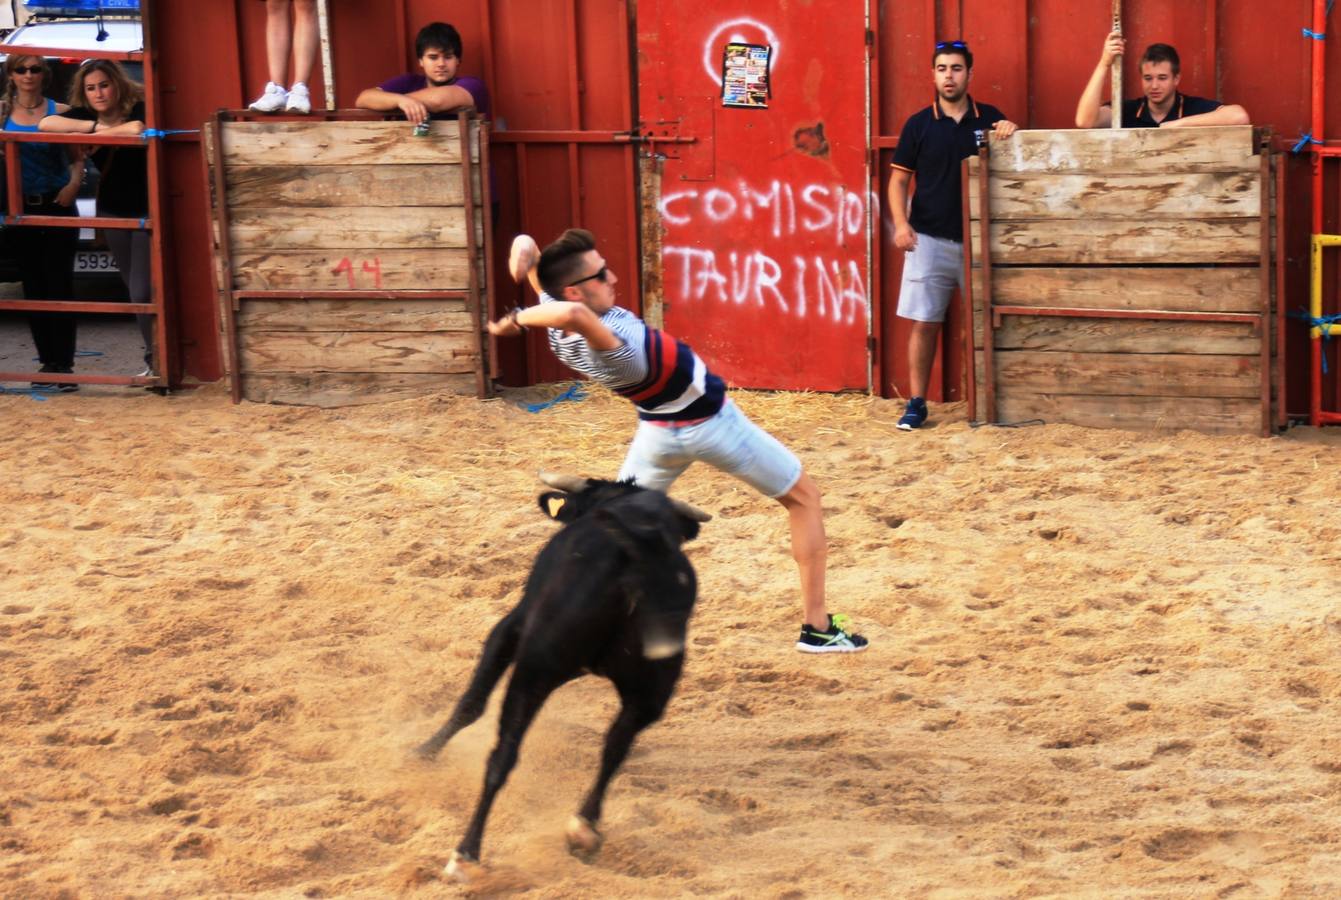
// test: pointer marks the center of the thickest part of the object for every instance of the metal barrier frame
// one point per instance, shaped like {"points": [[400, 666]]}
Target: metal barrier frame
{"points": [[153, 223]]}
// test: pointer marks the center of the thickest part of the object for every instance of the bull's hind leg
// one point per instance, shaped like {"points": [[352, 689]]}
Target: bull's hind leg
{"points": [[527, 691], [643, 696], [499, 650]]}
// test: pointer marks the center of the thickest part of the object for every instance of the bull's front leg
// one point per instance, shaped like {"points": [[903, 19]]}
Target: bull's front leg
{"points": [[643, 700], [527, 692]]}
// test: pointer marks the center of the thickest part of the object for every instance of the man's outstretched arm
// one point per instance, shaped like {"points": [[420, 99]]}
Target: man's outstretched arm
{"points": [[562, 314], [1229, 114]]}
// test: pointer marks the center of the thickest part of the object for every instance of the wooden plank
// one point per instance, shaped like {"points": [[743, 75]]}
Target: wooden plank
{"points": [[1152, 150], [1077, 335], [1104, 195], [353, 185], [316, 143], [335, 389], [1215, 415], [443, 269], [1090, 241], [1191, 289], [357, 351], [355, 315], [363, 229], [1116, 374]]}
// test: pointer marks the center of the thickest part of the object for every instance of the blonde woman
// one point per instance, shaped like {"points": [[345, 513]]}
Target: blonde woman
{"points": [[51, 178], [103, 100]]}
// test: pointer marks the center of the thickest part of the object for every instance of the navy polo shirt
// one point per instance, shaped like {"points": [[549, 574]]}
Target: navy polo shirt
{"points": [[932, 146], [1136, 112]]}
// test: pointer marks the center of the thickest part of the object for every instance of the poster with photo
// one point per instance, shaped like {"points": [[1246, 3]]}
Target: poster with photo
{"points": [[745, 75]]}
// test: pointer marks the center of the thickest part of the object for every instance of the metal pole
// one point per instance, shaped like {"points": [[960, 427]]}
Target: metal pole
{"points": [[1117, 69], [327, 66]]}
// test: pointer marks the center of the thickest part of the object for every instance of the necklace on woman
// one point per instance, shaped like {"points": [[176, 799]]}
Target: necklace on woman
{"points": [[26, 106]]}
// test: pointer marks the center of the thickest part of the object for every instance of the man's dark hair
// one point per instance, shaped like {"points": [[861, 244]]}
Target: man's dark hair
{"points": [[1158, 53], [561, 262], [948, 48], [437, 36]]}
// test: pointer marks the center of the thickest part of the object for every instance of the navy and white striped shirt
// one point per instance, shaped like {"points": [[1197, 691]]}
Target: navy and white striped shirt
{"points": [[661, 376]]}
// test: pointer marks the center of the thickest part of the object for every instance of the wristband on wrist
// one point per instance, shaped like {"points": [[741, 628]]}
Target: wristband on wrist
{"points": [[512, 317], [94, 128]]}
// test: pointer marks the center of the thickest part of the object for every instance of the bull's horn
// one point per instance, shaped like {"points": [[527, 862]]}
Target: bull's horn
{"points": [[689, 512], [570, 483]]}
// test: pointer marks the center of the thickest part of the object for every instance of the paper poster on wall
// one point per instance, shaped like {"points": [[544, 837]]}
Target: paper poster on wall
{"points": [[745, 75]]}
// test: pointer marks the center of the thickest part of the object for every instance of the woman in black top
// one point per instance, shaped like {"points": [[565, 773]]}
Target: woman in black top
{"points": [[104, 101]]}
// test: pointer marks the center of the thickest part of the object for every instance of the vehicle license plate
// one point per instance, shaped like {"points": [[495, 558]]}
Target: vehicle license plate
{"points": [[94, 261]]}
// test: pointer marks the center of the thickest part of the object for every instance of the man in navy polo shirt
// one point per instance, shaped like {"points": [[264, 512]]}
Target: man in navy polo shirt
{"points": [[1161, 105], [933, 144]]}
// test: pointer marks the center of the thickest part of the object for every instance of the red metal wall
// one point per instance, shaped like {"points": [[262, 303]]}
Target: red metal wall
{"points": [[564, 68], [764, 217]]}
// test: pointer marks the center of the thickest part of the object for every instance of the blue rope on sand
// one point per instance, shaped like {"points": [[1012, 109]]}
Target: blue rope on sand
{"points": [[574, 393]]}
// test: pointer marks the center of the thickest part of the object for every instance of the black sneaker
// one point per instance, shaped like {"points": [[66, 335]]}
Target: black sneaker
{"points": [[914, 414], [54, 387], [836, 639]]}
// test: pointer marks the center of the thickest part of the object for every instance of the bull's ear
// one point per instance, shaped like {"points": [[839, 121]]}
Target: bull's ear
{"points": [[555, 505]]}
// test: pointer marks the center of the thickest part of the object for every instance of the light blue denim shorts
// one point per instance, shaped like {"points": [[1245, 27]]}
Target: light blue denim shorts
{"points": [[728, 441], [931, 272]]}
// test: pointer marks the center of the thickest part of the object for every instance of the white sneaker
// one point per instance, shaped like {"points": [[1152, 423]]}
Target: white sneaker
{"points": [[272, 100], [300, 101]]}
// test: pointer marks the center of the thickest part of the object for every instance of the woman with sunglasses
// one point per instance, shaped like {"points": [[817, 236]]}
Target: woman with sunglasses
{"points": [[103, 100], [51, 178]]}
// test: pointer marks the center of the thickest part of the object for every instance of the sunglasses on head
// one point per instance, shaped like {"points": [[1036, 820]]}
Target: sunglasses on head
{"points": [[600, 273], [951, 45], [29, 70]]}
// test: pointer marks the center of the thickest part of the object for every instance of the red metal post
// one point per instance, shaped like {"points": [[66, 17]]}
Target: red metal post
{"points": [[1316, 128], [1282, 396], [225, 270], [468, 169], [1264, 276], [988, 336], [970, 362]]}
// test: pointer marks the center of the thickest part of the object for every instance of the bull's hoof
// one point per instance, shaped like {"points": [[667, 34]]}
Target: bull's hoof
{"points": [[462, 868], [583, 838], [427, 752]]}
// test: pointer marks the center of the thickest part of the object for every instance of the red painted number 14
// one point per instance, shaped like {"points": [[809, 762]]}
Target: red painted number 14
{"points": [[347, 267]]}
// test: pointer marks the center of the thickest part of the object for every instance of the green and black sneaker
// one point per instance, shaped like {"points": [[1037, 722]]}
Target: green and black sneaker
{"points": [[835, 639]]}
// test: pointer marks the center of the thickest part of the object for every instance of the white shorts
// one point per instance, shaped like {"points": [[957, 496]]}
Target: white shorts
{"points": [[931, 272], [728, 441]]}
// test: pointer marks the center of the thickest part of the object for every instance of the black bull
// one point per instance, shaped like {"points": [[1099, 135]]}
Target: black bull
{"points": [[610, 594]]}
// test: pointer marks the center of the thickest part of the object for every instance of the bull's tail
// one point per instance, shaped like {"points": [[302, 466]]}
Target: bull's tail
{"points": [[500, 649]]}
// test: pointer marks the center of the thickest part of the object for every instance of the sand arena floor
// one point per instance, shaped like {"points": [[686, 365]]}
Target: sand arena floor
{"points": [[1102, 663]]}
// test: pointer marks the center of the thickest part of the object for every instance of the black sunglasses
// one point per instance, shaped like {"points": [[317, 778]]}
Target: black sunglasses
{"points": [[951, 45], [600, 273], [29, 70]]}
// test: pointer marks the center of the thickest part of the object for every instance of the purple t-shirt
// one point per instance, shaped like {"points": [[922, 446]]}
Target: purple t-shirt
{"points": [[410, 82]]}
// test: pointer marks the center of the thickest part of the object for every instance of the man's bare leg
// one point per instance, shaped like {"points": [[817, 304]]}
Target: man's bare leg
{"points": [[922, 346], [306, 38], [277, 39], [810, 547]]}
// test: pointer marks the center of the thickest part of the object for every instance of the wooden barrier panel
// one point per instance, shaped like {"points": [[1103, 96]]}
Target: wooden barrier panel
{"points": [[1127, 273], [351, 257]]}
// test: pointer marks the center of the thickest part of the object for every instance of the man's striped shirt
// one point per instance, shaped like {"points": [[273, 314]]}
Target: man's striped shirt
{"points": [[663, 377]]}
